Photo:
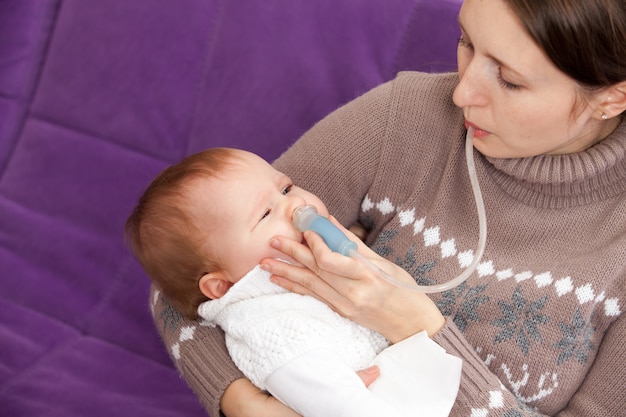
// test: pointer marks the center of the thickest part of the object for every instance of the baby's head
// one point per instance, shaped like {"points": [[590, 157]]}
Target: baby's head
{"points": [[205, 222], [165, 234]]}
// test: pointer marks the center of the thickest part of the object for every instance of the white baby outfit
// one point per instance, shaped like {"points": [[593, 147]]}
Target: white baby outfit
{"points": [[306, 355]]}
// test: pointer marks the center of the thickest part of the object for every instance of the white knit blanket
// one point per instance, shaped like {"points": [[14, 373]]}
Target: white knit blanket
{"points": [[267, 326]]}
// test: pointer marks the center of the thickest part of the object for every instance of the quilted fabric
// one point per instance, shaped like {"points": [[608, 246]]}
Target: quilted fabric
{"points": [[96, 97]]}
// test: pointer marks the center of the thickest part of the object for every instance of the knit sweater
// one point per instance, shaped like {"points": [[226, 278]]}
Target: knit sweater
{"points": [[539, 325]]}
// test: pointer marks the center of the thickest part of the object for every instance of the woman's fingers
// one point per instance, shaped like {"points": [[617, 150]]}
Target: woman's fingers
{"points": [[341, 282], [325, 260], [302, 279], [355, 237], [294, 278]]}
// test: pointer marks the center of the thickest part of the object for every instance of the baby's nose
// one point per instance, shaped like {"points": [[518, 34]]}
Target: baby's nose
{"points": [[293, 203], [303, 216]]}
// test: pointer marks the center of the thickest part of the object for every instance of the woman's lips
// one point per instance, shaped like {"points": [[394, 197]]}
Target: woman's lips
{"points": [[478, 132]]}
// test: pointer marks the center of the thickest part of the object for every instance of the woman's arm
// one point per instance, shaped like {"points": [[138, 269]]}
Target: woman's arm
{"points": [[242, 398], [198, 352]]}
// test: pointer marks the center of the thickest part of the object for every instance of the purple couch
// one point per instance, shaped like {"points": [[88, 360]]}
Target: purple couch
{"points": [[96, 97]]}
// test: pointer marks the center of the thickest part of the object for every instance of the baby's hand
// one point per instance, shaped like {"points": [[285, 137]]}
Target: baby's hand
{"points": [[369, 375]]}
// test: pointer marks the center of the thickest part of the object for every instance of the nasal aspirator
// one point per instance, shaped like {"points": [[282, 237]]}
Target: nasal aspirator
{"points": [[307, 218]]}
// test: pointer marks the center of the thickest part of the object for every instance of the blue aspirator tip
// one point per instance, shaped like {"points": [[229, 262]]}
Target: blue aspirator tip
{"points": [[307, 218]]}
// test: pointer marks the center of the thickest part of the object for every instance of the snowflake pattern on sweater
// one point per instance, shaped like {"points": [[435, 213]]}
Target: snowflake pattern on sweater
{"points": [[521, 320]]}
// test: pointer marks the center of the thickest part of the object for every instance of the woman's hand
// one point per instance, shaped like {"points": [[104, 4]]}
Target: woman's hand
{"points": [[242, 398], [352, 290]]}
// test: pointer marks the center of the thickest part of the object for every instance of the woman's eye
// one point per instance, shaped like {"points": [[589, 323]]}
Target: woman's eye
{"points": [[287, 189], [465, 44], [505, 84]]}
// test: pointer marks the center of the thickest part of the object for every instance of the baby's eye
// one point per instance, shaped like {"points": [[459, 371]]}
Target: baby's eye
{"points": [[287, 189], [267, 213]]}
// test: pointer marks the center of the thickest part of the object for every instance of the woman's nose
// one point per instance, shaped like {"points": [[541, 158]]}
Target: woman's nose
{"points": [[470, 91]]}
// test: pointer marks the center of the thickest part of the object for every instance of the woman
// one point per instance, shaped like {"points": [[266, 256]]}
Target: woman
{"points": [[539, 325]]}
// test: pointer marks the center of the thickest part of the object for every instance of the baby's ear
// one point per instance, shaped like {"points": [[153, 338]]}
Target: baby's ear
{"points": [[214, 285]]}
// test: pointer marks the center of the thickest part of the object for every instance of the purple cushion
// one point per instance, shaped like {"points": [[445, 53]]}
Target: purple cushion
{"points": [[95, 99]]}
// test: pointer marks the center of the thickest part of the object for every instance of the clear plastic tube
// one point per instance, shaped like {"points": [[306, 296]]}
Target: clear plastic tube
{"points": [[307, 218]]}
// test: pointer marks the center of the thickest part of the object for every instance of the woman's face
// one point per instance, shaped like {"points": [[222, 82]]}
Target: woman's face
{"points": [[519, 103]]}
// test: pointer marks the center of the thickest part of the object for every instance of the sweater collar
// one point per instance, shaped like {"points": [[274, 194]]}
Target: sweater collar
{"points": [[556, 181]]}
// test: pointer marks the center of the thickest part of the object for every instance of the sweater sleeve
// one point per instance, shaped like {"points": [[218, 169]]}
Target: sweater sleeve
{"points": [[482, 394], [198, 352], [341, 174]]}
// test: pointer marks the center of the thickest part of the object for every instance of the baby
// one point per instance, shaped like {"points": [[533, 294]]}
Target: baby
{"points": [[200, 231]]}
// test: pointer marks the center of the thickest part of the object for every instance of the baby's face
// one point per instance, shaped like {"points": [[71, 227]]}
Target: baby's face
{"points": [[251, 203]]}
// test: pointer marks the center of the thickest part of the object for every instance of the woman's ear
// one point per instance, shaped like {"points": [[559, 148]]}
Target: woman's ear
{"points": [[615, 102], [214, 285]]}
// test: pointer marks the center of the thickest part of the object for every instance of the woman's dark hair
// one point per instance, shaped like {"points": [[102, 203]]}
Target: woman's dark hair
{"points": [[586, 39]]}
